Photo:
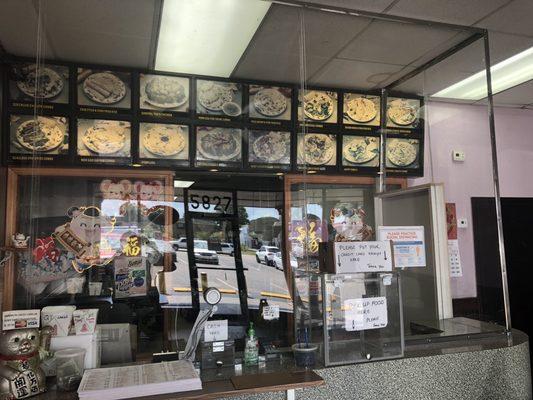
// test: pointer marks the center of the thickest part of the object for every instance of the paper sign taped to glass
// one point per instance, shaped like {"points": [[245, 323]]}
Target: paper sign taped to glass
{"points": [[130, 277], [364, 314], [354, 257], [408, 244]]}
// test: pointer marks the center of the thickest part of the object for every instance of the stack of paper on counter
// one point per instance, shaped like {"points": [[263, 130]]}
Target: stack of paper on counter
{"points": [[139, 380]]}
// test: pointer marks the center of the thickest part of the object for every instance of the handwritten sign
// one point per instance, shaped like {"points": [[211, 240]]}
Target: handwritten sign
{"points": [[20, 319], [363, 314], [270, 313], [353, 257], [407, 243], [216, 331]]}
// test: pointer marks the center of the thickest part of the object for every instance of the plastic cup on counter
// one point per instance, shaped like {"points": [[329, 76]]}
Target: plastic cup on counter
{"points": [[70, 364], [304, 356]]}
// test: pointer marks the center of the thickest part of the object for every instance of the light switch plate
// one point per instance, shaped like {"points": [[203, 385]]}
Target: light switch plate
{"points": [[458, 156]]}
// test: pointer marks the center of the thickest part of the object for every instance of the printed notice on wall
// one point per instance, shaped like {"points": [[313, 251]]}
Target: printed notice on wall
{"points": [[20, 319], [216, 330], [363, 314], [351, 257], [408, 244], [456, 270]]}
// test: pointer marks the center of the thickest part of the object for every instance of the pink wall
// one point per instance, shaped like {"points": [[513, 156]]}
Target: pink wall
{"points": [[464, 127]]}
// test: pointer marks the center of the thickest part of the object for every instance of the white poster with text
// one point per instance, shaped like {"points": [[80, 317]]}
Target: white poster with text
{"points": [[408, 244]]}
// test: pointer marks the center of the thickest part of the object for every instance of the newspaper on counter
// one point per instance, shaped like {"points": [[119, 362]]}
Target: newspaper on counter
{"points": [[139, 380]]}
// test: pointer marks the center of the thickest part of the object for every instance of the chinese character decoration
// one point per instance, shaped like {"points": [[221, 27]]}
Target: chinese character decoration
{"points": [[348, 223], [82, 236], [21, 353], [305, 237], [132, 248]]}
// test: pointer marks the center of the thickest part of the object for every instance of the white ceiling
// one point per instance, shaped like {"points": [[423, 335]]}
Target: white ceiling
{"points": [[340, 50]]}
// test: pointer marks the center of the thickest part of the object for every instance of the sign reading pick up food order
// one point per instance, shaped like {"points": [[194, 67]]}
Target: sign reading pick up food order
{"points": [[352, 257]]}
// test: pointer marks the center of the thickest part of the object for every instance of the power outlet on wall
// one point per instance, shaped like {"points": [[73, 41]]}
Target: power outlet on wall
{"points": [[458, 155]]}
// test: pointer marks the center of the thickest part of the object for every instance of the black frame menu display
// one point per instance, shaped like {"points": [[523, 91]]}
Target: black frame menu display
{"points": [[167, 120]]}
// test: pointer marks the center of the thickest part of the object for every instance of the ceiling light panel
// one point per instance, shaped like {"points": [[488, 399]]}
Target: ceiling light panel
{"points": [[206, 37], [508, 73]]}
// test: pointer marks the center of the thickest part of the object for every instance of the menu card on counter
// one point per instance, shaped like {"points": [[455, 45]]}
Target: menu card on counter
{"points": [[139, 380]]}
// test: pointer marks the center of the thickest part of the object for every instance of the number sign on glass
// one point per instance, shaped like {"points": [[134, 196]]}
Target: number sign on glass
{"points": [[210, 202]]}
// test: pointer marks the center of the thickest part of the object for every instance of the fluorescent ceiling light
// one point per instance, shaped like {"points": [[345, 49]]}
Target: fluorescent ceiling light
{"points": [[206, 37], [506, 74], [183, 184]]}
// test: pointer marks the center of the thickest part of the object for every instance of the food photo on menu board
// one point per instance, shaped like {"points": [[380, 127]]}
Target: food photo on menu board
{"points": [[104, 88], [163, 141], [164, 92], [270, 102], [269, 147], [104, 138], [42, 134], [48, 83], [317, 149], [218, 98], [361, 151], [215, 145], [360, 109], [317, 106], [403, 113], [402, 153]]}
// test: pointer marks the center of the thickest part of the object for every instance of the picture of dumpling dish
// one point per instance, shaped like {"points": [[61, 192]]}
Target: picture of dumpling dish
{"points": [[402, 152], [402, 112], [360, 150], [318, 105], [213, 95], [271, 147], [106, 137], [360, 109], [219, 144], [41, 134], [270, 102], [164, 92], [317, 149], [104, 88], [40, 83], [164, 140]]}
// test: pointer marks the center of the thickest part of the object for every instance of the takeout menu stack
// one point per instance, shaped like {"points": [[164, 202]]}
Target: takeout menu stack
{"points": [[138, 381]]}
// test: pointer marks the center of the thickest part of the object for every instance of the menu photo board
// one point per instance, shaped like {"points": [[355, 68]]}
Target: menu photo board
{"points": [[163, 144], [269, 149], [360, 153], [104, 141], [404, 156], [163, 96], [269, 104], [44, 86], [103, 91], [43, 138], [317, 108], [218, 147], [317, 151], [361, 111], [218, 100], [404, 114]]}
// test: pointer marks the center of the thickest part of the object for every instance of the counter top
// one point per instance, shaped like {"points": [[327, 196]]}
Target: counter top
{"points": [[237, 386]]}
